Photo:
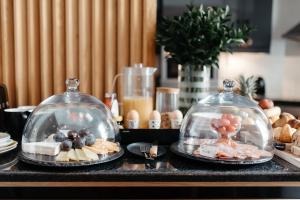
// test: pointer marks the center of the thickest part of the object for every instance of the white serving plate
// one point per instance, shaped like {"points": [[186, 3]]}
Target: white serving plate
{"points": [[4, 137], [9, 148], [6, 143], [10, 144]]}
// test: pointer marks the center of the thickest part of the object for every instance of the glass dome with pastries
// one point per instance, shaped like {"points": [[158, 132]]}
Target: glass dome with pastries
{"points": [[226, 128], [70, 129]]}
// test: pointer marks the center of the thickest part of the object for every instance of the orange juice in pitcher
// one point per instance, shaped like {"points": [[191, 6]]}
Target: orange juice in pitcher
{"points": [[138, 86]]}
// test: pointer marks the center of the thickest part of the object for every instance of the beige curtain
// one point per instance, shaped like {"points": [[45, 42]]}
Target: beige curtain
{"points": [[43, 42]]}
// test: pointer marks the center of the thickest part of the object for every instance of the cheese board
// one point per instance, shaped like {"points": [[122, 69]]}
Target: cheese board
{"points": [[50, 161]]}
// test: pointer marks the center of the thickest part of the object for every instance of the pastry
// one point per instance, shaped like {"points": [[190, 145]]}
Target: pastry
{"points": [[272, 112], [288, 115], [283, 119], [294, 123], [273, 119], [277, 132], [286, 134]]}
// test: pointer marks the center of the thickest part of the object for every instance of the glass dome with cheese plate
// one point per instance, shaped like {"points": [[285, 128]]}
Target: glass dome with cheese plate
{"points": [[70, 129], [226, 128]]}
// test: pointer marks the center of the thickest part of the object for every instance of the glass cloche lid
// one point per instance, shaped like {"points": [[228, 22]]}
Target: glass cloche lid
{"points": [[226, 128], [70, 129]]}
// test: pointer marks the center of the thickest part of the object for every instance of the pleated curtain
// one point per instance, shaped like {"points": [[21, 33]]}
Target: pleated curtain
{"points": [[44, 42]]}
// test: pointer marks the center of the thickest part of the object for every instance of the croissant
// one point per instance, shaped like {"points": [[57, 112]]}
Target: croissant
{"points": [[273, 119], [272, 112], [286, 134], [277, 132], [281, 121], [288, 115], [294, 123]]}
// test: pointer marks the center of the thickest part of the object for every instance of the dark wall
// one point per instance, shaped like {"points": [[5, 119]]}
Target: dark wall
{"points": [[258, 13]]}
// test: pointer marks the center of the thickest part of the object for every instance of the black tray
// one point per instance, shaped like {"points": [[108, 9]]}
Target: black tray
{"points": [[186, 151], [161, 136], [48, 161]]}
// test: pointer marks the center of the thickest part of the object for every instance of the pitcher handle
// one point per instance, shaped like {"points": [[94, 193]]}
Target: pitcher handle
{"points": [[115, 80]]}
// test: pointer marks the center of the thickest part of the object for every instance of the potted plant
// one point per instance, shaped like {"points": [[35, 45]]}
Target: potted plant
{"points": [[194, 40]]}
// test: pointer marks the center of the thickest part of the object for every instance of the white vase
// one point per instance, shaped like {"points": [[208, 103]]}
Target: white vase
{"points": [[194, 84]]}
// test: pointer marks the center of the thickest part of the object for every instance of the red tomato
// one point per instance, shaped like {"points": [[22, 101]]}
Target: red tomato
{"points": [[224, 122], [222, 130], [227, 116], [230, 116], [224, 116], [230, 128]]}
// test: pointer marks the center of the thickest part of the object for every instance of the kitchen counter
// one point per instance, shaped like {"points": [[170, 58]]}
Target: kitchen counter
{"points": [[169, 173]]}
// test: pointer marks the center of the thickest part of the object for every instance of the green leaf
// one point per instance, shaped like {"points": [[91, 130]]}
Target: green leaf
{"points": [[199, 35]]}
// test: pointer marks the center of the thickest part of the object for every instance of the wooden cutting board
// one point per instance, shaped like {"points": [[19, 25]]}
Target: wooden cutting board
{"points": [[289, 157]]}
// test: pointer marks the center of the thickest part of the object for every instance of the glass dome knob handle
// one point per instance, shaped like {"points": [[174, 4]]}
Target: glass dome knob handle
{"points": [[72, 84], [228, 85]]}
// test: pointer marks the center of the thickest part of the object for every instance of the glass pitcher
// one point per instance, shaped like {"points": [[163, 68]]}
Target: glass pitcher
{"points": [[138, 86]]}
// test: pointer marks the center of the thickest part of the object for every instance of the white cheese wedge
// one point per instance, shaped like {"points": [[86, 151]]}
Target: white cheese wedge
{"points": [[44, 148], [90, 154], [295, 150], [81, 155], [72, 155], [50, 138], [62, 156]]}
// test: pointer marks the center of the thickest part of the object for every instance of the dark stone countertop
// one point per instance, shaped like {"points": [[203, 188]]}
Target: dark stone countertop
{"points": [[130, 168]]}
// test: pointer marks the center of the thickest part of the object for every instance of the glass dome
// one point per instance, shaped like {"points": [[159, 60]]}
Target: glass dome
{"points": [[70, 129], [226, 128]]}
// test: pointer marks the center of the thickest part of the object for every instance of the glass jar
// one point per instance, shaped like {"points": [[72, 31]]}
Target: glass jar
{"points": [[166, 99], [166, 102]]}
